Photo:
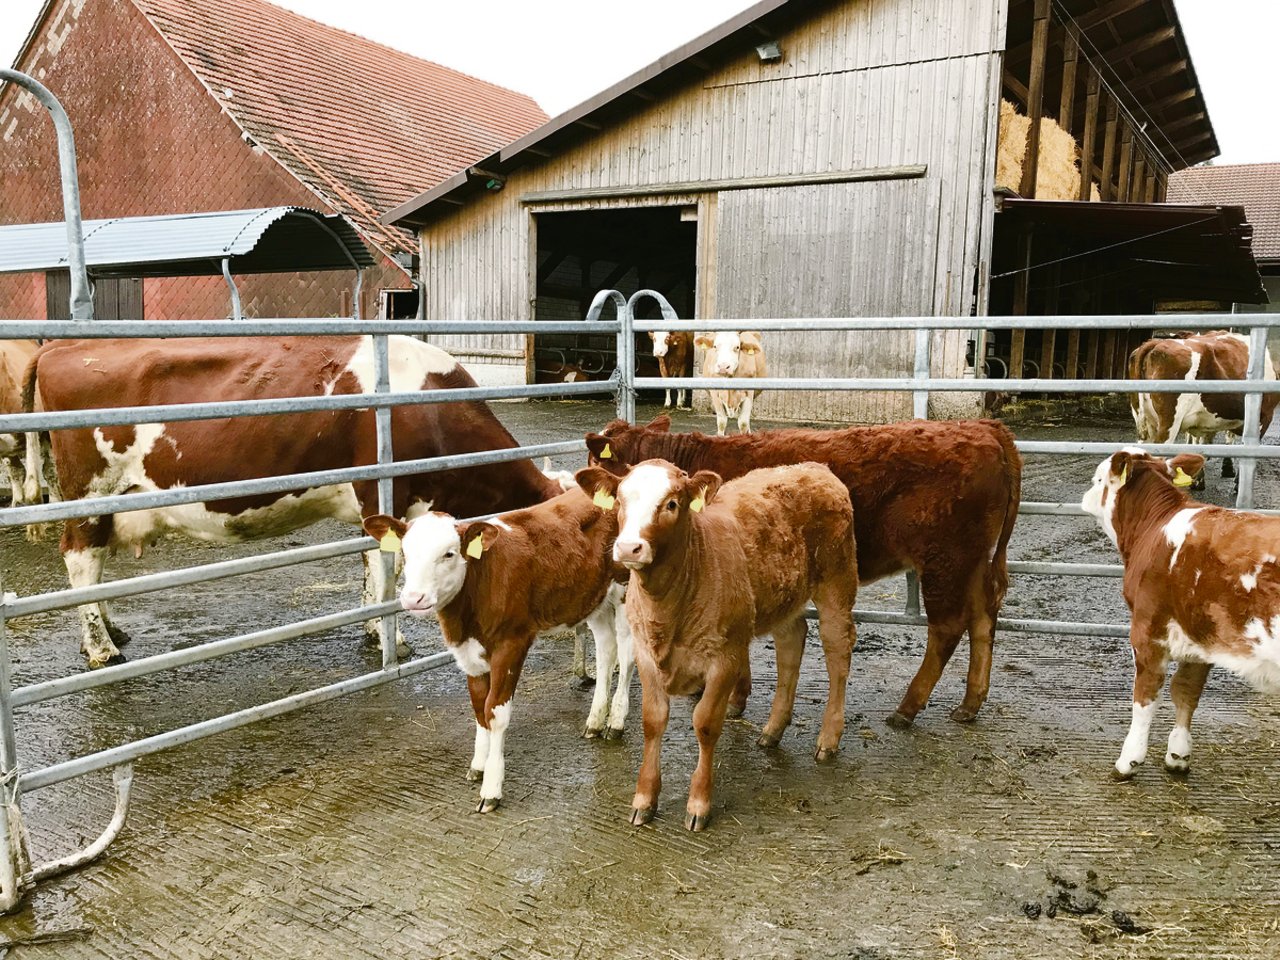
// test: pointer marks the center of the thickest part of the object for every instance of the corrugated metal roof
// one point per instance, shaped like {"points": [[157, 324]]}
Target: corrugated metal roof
{"points": [[266, 240]]}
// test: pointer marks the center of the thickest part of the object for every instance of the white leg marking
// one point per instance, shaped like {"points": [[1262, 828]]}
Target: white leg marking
{"points": [[480, 757], [680, 394], [667, 401], [84, 569], [1134, 750], [601, 623], [1179, 756], [495, 768], [626, 661], [744, 415]]}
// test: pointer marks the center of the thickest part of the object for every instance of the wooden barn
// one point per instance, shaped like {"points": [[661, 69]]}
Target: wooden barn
{"points": [[814, 158], [189, 106]]}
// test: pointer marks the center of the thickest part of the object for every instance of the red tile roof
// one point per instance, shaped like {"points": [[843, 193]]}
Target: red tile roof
{"points": [[362, 125], [1254, 186]]}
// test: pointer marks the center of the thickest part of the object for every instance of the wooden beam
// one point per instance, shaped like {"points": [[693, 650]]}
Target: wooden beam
{"points": [[1171, 100], [1172, 125], [1109, 150], [1149, 188], [1138, 44], [1067, 102], [1137, 190], [1105, 12], [1171, 69], [1073, 354], [1089, 147], [1162, 187], [1192, 141], [1035, 104], [1016, 86], [1126, 163]]}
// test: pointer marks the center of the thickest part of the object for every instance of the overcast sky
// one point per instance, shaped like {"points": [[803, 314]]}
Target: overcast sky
{"points": [[563, 51]]}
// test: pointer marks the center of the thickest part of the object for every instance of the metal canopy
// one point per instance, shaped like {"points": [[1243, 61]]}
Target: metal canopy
{"points": [[265, 240]]}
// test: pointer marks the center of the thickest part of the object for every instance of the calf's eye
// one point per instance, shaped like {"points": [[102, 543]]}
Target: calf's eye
{"points": [[672, 505], [449, 555]]}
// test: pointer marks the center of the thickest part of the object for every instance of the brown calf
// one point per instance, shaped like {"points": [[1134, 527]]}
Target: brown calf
{"points": [[937, 498], [713, 566], [1202, 584], [674, 352], [495, 585]]}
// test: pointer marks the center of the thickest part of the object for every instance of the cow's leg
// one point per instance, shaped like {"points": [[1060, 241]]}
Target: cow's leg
{"points": [[666, 402], [39, 462], [708, 722], [944, 607], [621, 705], [1187, 685], [1149, 669], [582, 678], [655, 708], [504, 674], [376, 590], [603, 626], [478, 687], [834, 600], [983, 606], [84, 551], [681, 396], [741, 691], [744, 414], [1229, 465], [719, 404], [788, 643], [17, 495]]}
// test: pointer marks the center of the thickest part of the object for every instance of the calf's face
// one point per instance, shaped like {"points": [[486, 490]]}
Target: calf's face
{"points": [[435, 556], [727, 349], [653, 501], [1121, 469], [661, 342]]}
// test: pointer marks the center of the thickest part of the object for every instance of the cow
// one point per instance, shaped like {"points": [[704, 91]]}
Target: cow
{"points": [[1215, 355], [14, 357], [1202, 584], [88, 374], [712, 566], [732, 355], [495, 585], [674, 351], [938, 498]]}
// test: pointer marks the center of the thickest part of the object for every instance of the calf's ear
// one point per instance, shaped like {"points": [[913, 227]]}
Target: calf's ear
{"points": [[477, 537], [1189, 464], [603, 450], [598, 484], [1120, 465], [704, 340], [750, 341], [659, 424], [653, 336], [703, 485], [380, 525]]}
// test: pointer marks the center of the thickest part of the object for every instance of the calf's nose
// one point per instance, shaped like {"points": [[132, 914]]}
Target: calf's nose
{"points": [[631, 551], [413, 599]]}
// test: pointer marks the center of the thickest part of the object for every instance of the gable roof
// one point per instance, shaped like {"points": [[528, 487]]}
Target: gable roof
{"points": [[1254, 186], [361, 125]]}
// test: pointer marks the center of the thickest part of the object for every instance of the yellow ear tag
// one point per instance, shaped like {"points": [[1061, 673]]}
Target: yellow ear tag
{"points": [[1124, 474], [606, 453], [698, 502], [390, 542], [476, 547], [1180, 479], [603, 499]]}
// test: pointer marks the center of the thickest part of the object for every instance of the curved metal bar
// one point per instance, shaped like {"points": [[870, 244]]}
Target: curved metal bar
{"points": [[603, 297], [668, 311], [123, 776], [81, 293], [237, 312]]}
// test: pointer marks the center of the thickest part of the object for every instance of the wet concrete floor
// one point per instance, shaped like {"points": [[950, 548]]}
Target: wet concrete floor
{"points": [[348, 830]]}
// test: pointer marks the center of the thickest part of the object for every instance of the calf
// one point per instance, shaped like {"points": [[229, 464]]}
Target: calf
{"points": [[495, 585], [732, 355], [14, 357], [1202, 585], [937, 498], [1215, 355], [713, 567], [675, 359]]}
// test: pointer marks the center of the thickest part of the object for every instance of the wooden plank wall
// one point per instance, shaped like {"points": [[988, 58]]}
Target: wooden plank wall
{"points": [[864, 84]]}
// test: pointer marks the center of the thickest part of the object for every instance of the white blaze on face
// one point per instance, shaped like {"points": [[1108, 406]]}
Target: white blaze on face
{"points": [[1100, 499], [641, 494], [434, 567], [660, 343], [728, 348]]}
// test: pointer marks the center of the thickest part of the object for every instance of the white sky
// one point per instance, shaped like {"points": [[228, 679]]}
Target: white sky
{"points": [[563, 51]]}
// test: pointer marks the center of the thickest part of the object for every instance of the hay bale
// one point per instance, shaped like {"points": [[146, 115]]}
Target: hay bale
{"points": [[1058, 168]]}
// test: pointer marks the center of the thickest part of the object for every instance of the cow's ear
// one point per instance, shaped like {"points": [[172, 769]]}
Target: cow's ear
{"points": [[702, 487], [750, 341], [659, 424], [476, 537], [653, 336], [603, 449], [1120, 466], [704, 340], [1184, 468], [598, 484], [388, 531]]}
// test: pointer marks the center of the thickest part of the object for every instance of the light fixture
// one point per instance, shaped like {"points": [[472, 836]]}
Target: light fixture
{"points": [[769, 51]]}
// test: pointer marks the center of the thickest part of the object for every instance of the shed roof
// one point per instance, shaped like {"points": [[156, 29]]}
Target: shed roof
{"points": [[1254, 186], [268, 240]]}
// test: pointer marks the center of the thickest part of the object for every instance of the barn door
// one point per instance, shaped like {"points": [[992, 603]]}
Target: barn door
{"points": [[113, 298]]}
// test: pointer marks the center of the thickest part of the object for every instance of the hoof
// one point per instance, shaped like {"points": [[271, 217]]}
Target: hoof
{"points": [[475, 775], [642, 815], [582, 683], [403, 650], [696, 822], [592, 733], [1176, 765], [488, 804], [826, 754], [769, 740], [118, 636], [613, 733], [963, 714], [111, 661], [735, 710], [899, 721], [1121, 776]]}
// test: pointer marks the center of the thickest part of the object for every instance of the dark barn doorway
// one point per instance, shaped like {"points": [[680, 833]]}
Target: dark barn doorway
{"points": [[582, 252]]}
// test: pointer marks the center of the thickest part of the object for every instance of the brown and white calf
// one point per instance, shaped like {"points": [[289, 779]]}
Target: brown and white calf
{"points": [[674, 352], [714, 566], [495, 585], [939, 498], [1202, 584], [732, 355], [1215, 355]]}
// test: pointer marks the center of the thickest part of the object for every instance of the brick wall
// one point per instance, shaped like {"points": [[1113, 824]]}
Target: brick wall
{"points": [[149, 140]]}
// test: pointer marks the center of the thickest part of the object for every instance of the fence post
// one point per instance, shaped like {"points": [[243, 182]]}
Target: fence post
{"points": [[920, 398], [81, 293], [1247, 466], [14, 861], [625, 373], [386, 500]]}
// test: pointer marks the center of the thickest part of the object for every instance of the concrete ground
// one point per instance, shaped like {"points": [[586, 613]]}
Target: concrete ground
{"points": [[348, 830]]}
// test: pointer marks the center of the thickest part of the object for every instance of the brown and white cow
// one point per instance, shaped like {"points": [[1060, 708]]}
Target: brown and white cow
{"points": [[1215, 355], [495, 585], [713, 566], [939, 498], [674, 351], [732, 355], [1202, 584], [14, 357], [87, 374]]}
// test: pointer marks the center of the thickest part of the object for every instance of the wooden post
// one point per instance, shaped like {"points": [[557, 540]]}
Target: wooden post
{"points": [[1091, 367], [1108, 353], [1109, 152], [1067, 103], [1089, 147], [1162, 186], [1073, 353], [1126, 163], [1137, 192], [1021, 295], [1035, 98]]}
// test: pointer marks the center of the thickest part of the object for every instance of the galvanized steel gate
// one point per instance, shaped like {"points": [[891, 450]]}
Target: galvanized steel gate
{"points": [[17, 873]]}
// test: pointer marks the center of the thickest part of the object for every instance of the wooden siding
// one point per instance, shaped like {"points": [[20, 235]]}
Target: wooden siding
{"points": [[869, 83]]}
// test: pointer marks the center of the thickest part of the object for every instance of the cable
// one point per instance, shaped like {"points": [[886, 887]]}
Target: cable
{"points": [[1109, 246]]}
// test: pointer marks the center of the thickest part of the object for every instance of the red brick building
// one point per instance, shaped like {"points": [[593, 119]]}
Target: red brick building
{"points": [[185, 106]]}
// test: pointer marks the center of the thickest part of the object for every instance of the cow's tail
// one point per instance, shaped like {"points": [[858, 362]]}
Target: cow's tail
{"points": [[999, 570]]}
